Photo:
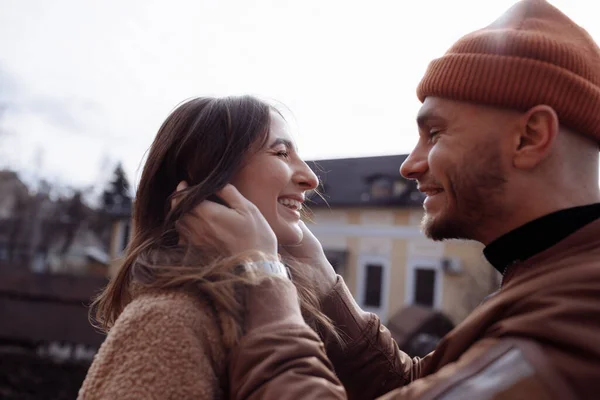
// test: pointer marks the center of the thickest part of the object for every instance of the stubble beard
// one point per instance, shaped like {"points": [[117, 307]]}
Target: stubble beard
{"points": [[474, 197]]}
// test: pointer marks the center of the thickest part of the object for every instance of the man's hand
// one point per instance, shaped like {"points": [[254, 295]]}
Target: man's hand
{"points": [[309, 251], [236, 229]]}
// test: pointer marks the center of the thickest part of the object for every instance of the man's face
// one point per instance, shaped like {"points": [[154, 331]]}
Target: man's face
{"points": [[459, 164]]}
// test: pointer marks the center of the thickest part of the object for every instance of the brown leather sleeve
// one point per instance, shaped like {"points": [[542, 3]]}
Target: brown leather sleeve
{"points": [[369, 363], [491, 369], [280, 357]]}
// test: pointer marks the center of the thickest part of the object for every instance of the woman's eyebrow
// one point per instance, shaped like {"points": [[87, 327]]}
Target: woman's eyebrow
{"points": [[279, 141]]}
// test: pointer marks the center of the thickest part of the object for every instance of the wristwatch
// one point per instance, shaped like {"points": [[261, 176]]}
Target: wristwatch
{"points": [[275, 268]]}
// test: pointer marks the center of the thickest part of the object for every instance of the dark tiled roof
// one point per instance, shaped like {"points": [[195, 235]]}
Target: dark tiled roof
{"points": [[354, 182], [120, 211]]}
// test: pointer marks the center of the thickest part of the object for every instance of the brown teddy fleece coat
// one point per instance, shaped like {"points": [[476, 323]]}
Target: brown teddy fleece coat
{"points": [[165, 345]]}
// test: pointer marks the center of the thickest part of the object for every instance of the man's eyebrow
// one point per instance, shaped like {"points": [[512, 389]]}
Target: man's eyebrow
{"points": [[424, 118]]}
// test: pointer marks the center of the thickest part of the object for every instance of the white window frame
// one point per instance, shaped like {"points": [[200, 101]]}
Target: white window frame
{"points": [[120, 236], [424, 263], [384, 261]]}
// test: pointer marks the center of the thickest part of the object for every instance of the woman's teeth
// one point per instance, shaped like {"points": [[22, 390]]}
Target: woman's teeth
{"points": [[291, 203]]}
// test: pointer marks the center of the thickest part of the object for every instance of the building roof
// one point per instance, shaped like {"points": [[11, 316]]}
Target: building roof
{"points": [[365, 181], [120, 210]]}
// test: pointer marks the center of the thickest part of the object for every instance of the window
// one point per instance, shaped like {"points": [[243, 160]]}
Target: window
{"points": [[373, 285], [381, 188], [337, 259], [399, 187], [424, 283], [125, 237], [424, 287], [121, 236], [335, 264]]}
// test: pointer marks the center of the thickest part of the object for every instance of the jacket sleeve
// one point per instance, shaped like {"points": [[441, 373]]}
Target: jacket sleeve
{"points": [[369, 353], [495, 369], [157, 355], [280, 356]]}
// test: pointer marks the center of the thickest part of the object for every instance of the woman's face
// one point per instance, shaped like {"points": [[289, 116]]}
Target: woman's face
{"points": [[275, 179]]}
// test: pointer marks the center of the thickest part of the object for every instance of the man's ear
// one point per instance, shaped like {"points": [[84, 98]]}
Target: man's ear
{"points": [[181, 186], [537, 132]]}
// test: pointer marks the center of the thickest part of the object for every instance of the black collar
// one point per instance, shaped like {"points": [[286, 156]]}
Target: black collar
{"points": [[538, 235]]}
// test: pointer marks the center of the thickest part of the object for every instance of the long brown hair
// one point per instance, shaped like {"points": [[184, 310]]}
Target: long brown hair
{"points": [[204, 142]]}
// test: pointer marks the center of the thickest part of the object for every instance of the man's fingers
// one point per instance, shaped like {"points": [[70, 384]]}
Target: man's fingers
{"points": [[202, 220], [233, 197], [181, 186], [237, 228], [196, 230], [209, 210], [305, 231]]}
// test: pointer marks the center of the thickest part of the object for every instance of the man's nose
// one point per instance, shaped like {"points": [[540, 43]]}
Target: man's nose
{"points": [[415, 164]]}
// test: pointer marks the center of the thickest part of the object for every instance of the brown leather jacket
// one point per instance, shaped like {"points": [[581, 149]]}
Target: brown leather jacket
{"points": [[536, 338]]}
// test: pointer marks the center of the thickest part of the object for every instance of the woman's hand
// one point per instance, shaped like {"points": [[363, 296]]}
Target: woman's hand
{"points": [[236, 229]]}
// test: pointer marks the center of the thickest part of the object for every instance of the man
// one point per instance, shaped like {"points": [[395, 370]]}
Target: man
{"points": [[508, 156]]}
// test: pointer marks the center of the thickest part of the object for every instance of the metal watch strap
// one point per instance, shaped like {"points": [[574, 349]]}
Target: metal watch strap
{"points": [[273, 268]]}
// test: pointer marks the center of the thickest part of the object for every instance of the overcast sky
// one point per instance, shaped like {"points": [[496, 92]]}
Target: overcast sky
{"points": [[84, 84]]}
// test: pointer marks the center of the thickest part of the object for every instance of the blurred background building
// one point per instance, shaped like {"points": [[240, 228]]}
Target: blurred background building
{"points": [[57, 251]]}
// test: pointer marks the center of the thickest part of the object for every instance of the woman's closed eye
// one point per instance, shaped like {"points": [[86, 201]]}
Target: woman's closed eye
{"points": [[282, 153]]}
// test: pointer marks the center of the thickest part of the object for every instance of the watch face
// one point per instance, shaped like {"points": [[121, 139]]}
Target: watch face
{"points": [[278, 268], [274, 268]]}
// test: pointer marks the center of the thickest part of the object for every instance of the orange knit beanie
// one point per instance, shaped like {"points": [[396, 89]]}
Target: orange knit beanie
{"points": [[531, 55]]}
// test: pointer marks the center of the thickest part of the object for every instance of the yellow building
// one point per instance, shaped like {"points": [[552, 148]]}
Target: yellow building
{"points": [[370, 231]]}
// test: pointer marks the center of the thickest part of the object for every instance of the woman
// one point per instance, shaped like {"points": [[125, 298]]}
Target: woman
{"points": [[176, 307]]}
